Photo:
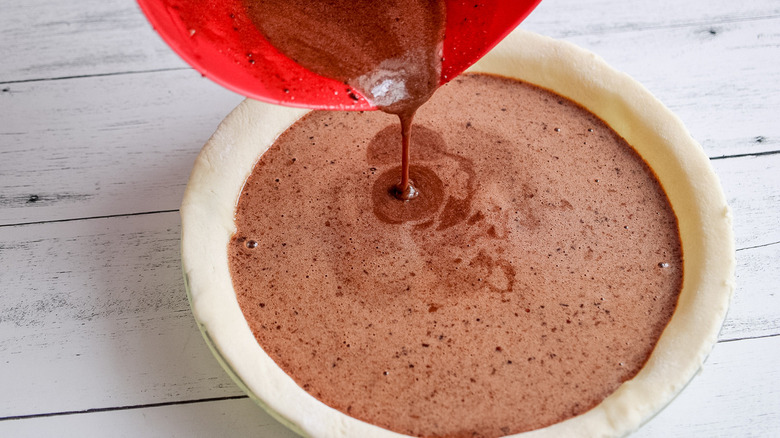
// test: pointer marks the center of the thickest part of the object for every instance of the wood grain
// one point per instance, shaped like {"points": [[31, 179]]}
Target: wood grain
{"points": [[715, 76], [567, 18], [751, 187], [96, 315], [755, 307], [46, 39], [103, 145], [723, 401]]}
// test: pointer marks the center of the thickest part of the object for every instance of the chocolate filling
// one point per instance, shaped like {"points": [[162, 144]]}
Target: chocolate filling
{"points": [[533, 274]]}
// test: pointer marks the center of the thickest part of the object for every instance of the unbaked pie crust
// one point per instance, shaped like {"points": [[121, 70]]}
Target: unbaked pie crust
{"points": [[657, 135]]}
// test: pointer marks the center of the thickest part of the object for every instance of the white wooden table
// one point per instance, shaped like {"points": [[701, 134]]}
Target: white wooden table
{"points": [[100, 123]]}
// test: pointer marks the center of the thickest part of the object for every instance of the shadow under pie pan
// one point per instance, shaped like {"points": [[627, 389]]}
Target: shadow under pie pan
{"points": [[683, 170]]}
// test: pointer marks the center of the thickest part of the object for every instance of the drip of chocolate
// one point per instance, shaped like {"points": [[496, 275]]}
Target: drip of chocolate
{"points": [[389, 51]]}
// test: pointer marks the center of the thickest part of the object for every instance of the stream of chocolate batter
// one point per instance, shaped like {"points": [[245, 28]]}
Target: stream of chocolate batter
{"points": [[389, 51]]}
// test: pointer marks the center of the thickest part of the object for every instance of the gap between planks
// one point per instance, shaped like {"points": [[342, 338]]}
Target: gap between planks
{"points": [[725, 341], [123, 408], [108, 216], [754, 154], [96, 75]]}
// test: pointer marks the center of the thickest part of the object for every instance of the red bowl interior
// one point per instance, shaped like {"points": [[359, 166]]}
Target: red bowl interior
{"points": [[219, 40]]}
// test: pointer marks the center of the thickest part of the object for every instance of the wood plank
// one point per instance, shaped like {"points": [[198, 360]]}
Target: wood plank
{"points": [[718, 78], [755, 306], [568, 18], [736, 395], [69, 38], [715, 404], [93, 315], [751, 188], [233, 418], [103, 145], [52, 39]]}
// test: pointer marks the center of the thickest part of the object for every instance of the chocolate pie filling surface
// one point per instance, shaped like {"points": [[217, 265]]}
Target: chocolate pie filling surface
{"points": [[532, 275]]}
